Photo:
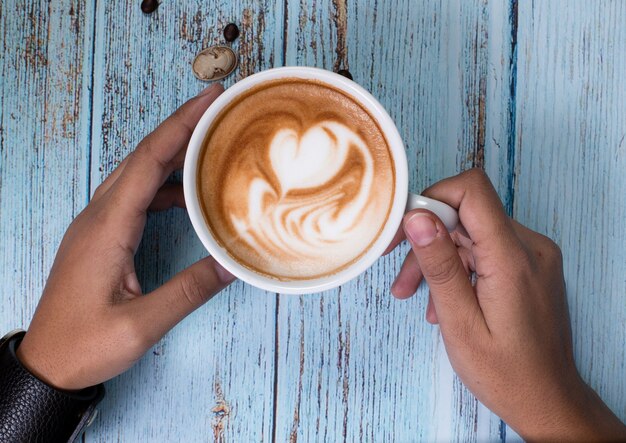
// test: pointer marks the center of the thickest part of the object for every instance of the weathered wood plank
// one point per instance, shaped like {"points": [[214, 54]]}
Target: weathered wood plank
{"points": [[355, 364], [571, 158], [45, 75], [212, 377]]}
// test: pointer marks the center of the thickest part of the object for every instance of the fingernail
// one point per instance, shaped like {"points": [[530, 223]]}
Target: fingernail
{"points": [[223, 274], [420, 229], [210, 89]]}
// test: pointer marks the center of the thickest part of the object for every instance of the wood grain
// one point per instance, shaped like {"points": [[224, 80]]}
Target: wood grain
{"points": [[571, 158], [355, 364], [45, 75], [531, 91], [212, 377]]}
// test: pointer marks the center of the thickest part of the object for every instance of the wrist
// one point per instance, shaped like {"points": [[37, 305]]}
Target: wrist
{"points": [[31, 409], [580, 415], [32, 359], [600, 422]]}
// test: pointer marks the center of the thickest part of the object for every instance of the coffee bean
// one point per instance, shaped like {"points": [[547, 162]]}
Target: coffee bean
{"points": [[231, 32], [214, 63], [345, 73], [149, 6]]}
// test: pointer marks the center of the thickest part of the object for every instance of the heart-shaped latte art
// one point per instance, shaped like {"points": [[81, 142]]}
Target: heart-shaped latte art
{"points": [[310, 160], [308, 225]]}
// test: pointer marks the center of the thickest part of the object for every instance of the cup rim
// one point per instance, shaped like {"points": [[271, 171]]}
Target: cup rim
{"points": [[394, 141]]}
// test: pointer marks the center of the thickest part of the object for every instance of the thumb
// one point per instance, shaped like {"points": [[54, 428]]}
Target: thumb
{"points": [[160, 310], [452, 293]]}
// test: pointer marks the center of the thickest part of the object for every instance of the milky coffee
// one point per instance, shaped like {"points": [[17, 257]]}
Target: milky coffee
{"points": [[295, 179]]}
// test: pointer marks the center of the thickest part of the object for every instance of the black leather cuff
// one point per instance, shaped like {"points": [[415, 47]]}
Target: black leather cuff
{"points": [[32, 411]]}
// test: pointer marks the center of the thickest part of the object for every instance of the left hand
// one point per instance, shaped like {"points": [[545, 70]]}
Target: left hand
{"points": [[93, 322]]}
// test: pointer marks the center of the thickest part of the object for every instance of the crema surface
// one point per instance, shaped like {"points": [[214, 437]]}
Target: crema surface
{"points": [[295, 179]]}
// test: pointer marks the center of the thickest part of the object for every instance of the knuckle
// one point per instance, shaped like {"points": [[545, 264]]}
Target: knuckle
{"points": [[98, 192], [181, 115], [100, 217], [144, 148], [192, 289], [85, 225], [547, 250], [442, 270], [147, 151], [181, 118], [478, 176], [553, 252], [466, 332], [79, 220]]}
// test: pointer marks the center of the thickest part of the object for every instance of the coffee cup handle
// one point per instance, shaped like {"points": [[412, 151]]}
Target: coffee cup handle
{"points": [[447, 214]]}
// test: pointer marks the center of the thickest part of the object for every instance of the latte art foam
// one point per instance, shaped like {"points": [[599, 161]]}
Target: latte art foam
{"points": [[308, 225], [296, 180]]}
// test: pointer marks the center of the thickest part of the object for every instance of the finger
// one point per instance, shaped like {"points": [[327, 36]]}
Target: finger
{"points": [[408, 279], [108, 182], [431, 314], [156, 157], [164, 307], [397, 239], [453, 296], [461, 239], [467, 258], [170, 195], [483, 216]]}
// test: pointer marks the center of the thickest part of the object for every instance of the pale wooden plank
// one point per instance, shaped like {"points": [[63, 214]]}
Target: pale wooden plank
{"points": [[501, 84], [355, 364], [45, 73], [605, 372], [571, 158], [212, 377]]}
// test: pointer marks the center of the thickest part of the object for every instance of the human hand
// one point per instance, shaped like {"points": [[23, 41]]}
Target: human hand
{"points": [[92, 322], [507, 336]]}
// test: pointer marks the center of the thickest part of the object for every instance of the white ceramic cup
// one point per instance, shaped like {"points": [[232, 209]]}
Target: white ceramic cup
{"points": [[402, 200]]}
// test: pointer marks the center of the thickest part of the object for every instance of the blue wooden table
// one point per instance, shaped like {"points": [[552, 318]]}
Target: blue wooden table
{"points": [[530, 90]]}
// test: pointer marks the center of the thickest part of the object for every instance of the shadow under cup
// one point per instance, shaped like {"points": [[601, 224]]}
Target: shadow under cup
{"points": [[237, 166]]}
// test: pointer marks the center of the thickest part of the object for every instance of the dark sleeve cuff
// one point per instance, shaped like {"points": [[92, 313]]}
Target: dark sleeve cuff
{"points": [[32, 411]]}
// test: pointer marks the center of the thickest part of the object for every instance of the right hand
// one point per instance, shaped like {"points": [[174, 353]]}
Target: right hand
{"points": [[508, 336]]}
